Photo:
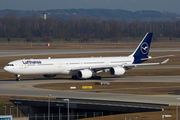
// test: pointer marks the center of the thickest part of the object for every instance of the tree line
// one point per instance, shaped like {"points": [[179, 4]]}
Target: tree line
{"points": [[84, 28]]}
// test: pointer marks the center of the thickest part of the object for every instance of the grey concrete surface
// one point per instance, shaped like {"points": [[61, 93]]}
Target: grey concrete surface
{"points": [[1, 70], [158, 67], [50, 52], [25, 88]]}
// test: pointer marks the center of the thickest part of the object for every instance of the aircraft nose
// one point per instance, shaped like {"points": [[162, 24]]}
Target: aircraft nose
{"points": [[10, 69], [5, 68]]}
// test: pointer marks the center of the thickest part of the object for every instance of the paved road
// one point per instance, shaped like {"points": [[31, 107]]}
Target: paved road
{"points": [[25, 88], [50, 52]]}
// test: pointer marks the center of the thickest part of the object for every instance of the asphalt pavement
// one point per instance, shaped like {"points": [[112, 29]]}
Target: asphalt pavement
{"points": [[25, 88], [50, 52]]}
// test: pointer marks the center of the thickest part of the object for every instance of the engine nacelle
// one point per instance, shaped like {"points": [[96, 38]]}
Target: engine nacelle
{"points": [[84, 74], [50, 75], [117, 71]]}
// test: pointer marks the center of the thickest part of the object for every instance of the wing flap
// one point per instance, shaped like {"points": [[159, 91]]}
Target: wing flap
{"points": [[95, 67]]}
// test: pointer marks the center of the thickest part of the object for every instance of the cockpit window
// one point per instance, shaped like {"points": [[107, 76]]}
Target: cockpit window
{"points": [[10, 65]]}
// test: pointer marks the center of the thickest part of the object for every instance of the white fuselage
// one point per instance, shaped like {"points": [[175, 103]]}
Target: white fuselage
{"points": [[63, 65], [83, 68]]}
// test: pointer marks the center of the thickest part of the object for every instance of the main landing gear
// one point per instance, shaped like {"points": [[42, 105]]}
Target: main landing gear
{"points": [[18, 78], [93, 77], [96, 77], [74, 77]]}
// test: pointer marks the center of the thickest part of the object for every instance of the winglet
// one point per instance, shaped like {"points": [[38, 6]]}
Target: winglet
{"points": [[165, 61]]}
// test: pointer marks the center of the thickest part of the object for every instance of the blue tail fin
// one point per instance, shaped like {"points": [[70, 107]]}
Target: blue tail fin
{"points": [[143, 49]]}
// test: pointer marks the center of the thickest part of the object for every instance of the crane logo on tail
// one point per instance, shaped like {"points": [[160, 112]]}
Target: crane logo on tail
{"points": [[144, 48]]}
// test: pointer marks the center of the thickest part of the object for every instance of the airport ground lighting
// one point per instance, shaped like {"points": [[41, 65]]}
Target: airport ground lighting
{"points": [[177, 108], [10, 110], [59, 109], [68, 107], [4, 110], [17, 107], [49, 107], [163, 116]]}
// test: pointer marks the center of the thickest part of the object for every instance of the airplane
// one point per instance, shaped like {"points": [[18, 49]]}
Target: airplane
{"points": [[84, 68]]}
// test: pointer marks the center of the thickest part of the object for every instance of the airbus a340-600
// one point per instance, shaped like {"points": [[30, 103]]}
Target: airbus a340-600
{"points": [[83, 68]]}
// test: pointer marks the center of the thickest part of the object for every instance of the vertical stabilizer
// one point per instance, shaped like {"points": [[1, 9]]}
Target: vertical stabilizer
{"points": [[143, 49]]}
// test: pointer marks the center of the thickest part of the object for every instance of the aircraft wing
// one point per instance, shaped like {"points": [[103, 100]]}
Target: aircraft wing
{"points": [[96, 67], [128, 66]]}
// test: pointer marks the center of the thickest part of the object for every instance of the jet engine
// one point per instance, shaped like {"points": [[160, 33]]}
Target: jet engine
{"points": [[50, 75], [117, 71], [84, 74]]}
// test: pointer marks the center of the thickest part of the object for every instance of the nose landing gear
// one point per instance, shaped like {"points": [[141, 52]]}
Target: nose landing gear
{"points": [[18, 78]]}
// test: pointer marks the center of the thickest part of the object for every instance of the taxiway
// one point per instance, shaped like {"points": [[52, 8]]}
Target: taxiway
{"points": [[25, 88], [50, 52]]}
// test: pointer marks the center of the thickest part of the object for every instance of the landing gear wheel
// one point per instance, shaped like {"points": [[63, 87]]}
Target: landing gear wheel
{"points": [[74, 77], [98, 77], [18, 79]]}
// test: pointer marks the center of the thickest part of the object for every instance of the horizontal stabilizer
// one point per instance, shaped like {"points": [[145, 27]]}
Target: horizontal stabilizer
{"points": [[165, 61], [135, 65], [156, 57]]}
